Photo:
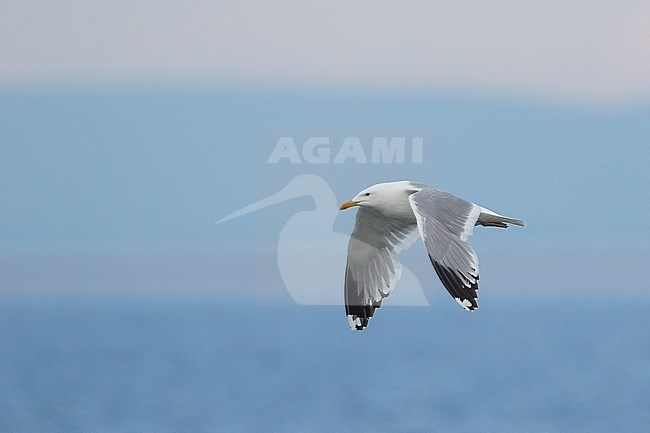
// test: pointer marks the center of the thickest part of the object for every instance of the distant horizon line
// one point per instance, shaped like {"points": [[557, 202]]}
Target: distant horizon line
{"points": [[502, 96]]}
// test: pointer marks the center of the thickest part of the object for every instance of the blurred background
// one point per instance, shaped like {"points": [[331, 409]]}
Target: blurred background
{"points": [[128, 128]]}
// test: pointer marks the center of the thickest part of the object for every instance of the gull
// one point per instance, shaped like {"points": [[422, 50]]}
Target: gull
{"points": [[389, 219]]}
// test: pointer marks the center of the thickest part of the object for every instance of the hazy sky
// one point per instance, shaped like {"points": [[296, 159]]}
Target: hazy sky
{"points": [[130, 127], [573, 51]]}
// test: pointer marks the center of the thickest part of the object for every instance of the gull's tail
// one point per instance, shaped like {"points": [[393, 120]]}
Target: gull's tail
{"points": [[490, 218]]}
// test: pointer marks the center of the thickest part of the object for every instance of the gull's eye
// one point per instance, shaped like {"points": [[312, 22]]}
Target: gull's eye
{"points": [[367, 194]]}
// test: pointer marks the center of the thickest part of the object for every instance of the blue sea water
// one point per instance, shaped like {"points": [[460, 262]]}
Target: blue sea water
{"points": [[560, 365]]}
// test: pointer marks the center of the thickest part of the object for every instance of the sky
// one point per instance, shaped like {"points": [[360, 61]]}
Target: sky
{"points": [[129, 128], [575, 51]]}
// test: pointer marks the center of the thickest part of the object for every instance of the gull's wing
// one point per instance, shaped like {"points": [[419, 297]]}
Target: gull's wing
{"points": [[445, 222], [373, 267]]}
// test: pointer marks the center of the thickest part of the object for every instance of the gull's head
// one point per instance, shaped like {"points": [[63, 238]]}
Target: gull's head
{"points": [[388, 198]]}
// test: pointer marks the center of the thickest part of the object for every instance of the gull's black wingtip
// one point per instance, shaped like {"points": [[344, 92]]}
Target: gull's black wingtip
{"points": [[463, 293], [359, 315]]}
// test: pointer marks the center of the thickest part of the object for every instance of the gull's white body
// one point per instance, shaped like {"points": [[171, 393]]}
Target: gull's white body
{"points": [[390, 218]]}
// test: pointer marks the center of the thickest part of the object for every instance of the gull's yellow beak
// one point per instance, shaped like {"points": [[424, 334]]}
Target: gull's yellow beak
{"points": [[347, 204]]}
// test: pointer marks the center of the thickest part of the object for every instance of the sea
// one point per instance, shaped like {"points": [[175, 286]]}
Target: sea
{"points": [[545, 365]]}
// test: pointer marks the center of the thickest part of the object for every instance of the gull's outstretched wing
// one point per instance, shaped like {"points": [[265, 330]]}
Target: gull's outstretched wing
{"points": [[445, 222], [373, 267]]}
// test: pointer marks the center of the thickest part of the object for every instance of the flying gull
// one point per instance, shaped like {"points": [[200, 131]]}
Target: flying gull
{"points": [[389, 218]]}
